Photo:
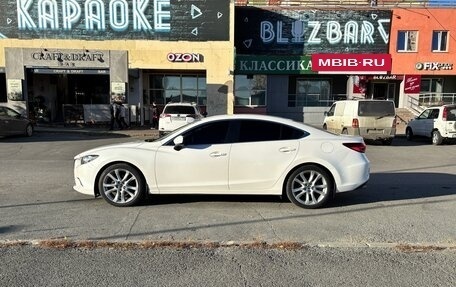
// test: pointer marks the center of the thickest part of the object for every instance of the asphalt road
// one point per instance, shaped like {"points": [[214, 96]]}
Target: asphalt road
{"points": [[409, 201]]}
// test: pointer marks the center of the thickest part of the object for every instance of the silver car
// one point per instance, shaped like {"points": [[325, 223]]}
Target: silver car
{"points": [[13, 123]]}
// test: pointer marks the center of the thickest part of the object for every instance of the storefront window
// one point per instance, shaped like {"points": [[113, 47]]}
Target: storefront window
{"points": [[311, 92], [250, 90], [176, 88]]}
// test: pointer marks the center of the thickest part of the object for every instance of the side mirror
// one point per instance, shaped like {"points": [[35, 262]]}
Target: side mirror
{"points": [[178, 143], [325, 113]]}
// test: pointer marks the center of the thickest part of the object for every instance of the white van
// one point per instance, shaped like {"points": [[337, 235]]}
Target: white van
{"points": [[371, 119]]}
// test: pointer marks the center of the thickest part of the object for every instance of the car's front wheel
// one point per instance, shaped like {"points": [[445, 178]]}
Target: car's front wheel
{"points": [[309, 186], [121, 185], [29, 130], [436, 138]]}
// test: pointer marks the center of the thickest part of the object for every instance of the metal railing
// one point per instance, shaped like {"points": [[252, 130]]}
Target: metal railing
{"points": [[417, 104], [314, 100], [436, 99]]}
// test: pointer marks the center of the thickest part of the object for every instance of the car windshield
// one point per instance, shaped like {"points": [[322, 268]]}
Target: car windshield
{"points": [[179, 110], [376, 108]]}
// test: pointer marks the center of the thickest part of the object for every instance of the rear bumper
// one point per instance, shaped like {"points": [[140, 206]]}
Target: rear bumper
{"points": [[377, 133]]}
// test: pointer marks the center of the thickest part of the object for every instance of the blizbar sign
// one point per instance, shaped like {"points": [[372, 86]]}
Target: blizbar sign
{"points": [[347, 63], [185, 57]]}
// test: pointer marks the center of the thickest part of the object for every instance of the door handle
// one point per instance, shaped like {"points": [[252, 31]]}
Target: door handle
{"points": [[287, 149], [217, 154]]}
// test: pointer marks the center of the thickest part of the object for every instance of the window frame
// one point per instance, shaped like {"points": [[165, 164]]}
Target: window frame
{"points": [[407, 46], [159, 94], [252, 91], [439, 41]]}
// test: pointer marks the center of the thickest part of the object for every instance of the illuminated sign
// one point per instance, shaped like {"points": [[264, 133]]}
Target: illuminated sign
{"points": [[185, 57], [283, 65], [351, 63], [198, 20], [298, 32], [433, 66]]}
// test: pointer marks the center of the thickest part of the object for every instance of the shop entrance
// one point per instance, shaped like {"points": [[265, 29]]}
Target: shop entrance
{"points": [[50, 95], [385, 91]]}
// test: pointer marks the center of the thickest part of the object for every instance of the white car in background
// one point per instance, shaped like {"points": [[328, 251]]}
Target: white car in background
{"points": [[437, 123], [176, 115], [228, 154]]}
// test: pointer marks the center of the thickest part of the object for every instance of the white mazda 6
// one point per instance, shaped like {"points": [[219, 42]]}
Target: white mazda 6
{"points": [[228, 154]]}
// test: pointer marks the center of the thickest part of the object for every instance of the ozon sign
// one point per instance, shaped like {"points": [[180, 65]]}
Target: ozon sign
{"points": [[185, 57]]}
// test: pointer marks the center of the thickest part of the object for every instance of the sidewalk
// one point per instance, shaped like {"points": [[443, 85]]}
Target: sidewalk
{"points": [[134, 131]]}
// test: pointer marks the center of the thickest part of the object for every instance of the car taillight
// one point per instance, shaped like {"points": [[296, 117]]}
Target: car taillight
{"points": [[355, 123], [445, 114], [359, 147], [394, 123]]}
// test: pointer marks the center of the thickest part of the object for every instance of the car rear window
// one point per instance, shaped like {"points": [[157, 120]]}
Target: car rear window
{"points": [[179, 110], [376, 108], [451, 116]]}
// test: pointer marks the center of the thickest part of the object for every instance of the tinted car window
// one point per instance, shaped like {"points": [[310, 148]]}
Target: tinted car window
{"points": [[451, 116], [179, 110], [256, 130], [8, 112], [376, 108], [207, 134]]}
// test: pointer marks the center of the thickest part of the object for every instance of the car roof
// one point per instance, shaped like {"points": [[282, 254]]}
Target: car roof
{"points": [[259, 117], [180, 104]]}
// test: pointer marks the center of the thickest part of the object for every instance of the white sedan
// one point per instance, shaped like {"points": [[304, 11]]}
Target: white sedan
{"points": [[228, 154]]}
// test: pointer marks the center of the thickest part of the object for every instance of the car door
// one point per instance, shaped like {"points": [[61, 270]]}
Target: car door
{"points": [[418, 124], [3, 122], [329, 119], [261, 154], [11, 122], [201, 166], [429, 123]]}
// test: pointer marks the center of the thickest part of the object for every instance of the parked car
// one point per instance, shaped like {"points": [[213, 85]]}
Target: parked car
{"points": [[13, 123], [228, 154], [437, 123], [176, 115], [371, 119]]}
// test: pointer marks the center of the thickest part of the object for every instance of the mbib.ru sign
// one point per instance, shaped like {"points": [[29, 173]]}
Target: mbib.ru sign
{"points": [[351, 63]]}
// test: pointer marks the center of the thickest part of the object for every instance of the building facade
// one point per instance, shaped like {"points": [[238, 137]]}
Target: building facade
{"points": [[66, 61], [70, 59]]}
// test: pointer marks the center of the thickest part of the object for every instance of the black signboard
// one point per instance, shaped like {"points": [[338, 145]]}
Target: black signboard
{"points": [[301, 32], [195, 20]]}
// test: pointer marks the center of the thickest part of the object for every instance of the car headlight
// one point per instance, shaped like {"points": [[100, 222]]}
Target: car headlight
{"points": [[88, 158]]}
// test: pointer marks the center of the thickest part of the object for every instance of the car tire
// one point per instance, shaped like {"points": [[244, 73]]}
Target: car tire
{"points": [[29, 130], [309, 186], [436, 138], [345, 132], [409, 134], [121, 185], [325, 127]]}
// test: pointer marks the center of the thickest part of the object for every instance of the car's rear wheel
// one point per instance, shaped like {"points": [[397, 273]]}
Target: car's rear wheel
{"points": [[409, 134], [29, 130], [436, 138], [121, 185], [309, 186]]}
